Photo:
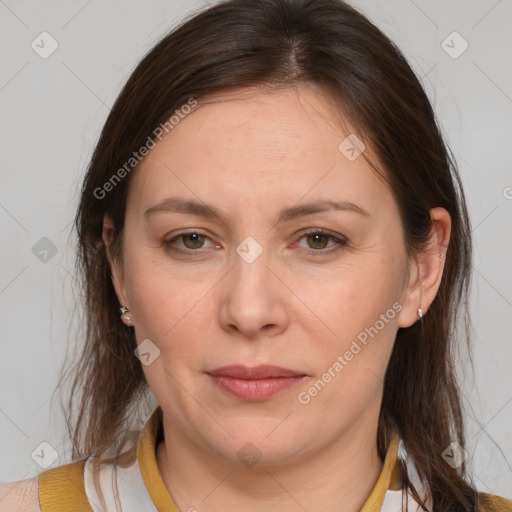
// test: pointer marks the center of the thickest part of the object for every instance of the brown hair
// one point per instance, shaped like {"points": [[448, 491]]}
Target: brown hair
{"points": [[239, 43]]}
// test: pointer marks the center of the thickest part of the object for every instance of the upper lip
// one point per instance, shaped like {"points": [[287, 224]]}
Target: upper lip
{"points": [[256, 372]]}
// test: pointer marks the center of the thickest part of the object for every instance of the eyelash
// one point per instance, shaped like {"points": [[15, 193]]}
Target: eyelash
{"points": [[338, 242]]}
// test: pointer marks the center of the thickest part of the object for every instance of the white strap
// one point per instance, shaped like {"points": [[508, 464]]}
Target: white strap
{"points": [[123, 489], [105, 477], [420, 485], [133, 494]]}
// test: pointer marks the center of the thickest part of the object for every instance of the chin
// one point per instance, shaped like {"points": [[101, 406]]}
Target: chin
{"points": [[260, 443]]}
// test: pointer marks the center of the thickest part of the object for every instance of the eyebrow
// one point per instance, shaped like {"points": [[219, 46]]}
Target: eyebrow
{"points": [[181, 205]]}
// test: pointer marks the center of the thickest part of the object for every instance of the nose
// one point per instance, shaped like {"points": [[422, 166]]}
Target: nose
{"points": [[254, 299]]}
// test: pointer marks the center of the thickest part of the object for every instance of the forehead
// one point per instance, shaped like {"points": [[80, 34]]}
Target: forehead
{"points": [[279, 119], [242, 142]]}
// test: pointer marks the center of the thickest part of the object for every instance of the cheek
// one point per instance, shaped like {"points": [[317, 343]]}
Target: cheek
{"points": [[161, 300], [350, 362], [356, 298], [166, 310], [359, 311], [364, 326]]}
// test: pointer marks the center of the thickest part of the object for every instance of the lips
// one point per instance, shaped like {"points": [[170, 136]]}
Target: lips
{"points": [[256, 383], [255, 373]]}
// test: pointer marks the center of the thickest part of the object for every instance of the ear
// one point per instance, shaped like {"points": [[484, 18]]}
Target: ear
{"points": [[116, 266], [426, 269]]}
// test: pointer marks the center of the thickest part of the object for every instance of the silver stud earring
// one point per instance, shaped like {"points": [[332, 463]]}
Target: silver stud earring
{"points": [[420, 313], [126, 317]]}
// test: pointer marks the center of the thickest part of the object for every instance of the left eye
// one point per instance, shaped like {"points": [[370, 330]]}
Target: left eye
{"points": [[317, 240]]}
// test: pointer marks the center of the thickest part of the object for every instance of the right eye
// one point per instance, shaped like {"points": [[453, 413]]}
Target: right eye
{"points": [[191, 242]]}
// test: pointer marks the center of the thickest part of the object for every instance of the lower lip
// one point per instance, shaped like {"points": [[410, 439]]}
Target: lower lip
{"points": [[256, 389]]}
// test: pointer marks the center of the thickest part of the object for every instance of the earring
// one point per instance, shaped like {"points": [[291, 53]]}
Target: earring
{"points": [[420, 313], [126, 317]]}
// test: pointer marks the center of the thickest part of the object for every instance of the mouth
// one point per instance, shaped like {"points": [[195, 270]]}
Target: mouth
{"points": [[256, 383]]}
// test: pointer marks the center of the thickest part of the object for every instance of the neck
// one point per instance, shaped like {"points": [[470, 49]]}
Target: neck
{"points": [[339, 477]]}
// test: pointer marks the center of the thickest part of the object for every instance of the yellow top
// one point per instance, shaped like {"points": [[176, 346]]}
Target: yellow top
{"points": [[61, 489]]}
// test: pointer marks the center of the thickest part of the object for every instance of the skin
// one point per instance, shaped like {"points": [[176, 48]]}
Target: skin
{"points": [[251, 153]]}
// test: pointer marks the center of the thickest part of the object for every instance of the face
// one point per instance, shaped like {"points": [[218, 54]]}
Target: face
{"points": [[265, 280]]}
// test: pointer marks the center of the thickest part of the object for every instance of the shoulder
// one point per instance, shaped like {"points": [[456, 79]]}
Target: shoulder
{"points": [[493, 503], [58, 489], [20, 496], [62, 488]]}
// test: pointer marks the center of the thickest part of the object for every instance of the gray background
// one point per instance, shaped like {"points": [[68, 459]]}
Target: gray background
{"points": [[52, 113]]}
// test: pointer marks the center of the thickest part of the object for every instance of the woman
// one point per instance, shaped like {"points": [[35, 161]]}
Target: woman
{"points": [[272, 224]]}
